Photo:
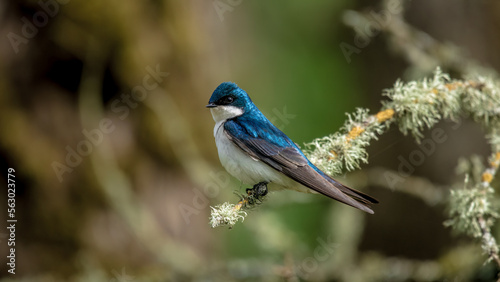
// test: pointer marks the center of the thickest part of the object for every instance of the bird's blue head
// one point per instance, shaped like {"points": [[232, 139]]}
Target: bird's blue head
{"points": [[228, 101]]}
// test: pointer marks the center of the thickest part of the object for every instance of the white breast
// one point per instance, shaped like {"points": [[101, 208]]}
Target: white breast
{"points": [[242, 166]]}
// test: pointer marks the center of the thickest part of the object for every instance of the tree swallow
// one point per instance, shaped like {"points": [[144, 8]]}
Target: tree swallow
{"points": [[255, 151]]}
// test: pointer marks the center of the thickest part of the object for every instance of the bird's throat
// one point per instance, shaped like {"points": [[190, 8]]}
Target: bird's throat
{"points": [[222, 113]]}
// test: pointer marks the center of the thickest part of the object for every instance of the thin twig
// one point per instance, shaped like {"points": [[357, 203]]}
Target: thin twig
{"points": [[488, 240]]}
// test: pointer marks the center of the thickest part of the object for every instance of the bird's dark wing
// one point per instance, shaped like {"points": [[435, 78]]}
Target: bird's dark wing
{"points": [[279, 152]]}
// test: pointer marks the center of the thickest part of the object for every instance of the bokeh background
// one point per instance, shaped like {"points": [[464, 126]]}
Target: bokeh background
{"points": [[115, 188]]}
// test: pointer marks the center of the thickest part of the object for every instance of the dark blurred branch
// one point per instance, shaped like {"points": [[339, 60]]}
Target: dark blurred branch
{"points": [[118, 188], [176, 131], [423, 52], [418, 187], [488, 240]]}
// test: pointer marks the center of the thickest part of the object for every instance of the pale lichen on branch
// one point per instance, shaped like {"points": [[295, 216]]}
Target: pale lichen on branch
{"points": [[415, 106], [473, 208]]}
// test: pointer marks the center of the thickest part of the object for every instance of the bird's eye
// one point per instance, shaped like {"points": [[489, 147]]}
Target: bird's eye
{"points": [[227, 100]]}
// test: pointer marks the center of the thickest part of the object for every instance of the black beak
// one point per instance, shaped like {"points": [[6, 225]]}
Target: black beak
{"points": [[211, 105]]}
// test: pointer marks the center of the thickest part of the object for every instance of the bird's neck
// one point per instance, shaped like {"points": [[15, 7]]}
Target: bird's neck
{"points": [[223, 113]]}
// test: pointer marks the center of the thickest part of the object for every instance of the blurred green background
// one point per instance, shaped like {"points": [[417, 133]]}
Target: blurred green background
{"points": [[134, 206]]}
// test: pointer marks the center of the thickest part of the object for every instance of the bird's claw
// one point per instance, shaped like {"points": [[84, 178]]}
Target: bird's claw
{"points": [[255, 195], [259, 190]]}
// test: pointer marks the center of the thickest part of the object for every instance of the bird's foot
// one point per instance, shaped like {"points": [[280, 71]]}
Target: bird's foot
{"points": [[255, 196], [258, 190], [257, 193]]}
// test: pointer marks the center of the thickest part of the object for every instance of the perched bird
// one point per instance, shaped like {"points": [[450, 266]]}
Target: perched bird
{"points": [[255, 151]]}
